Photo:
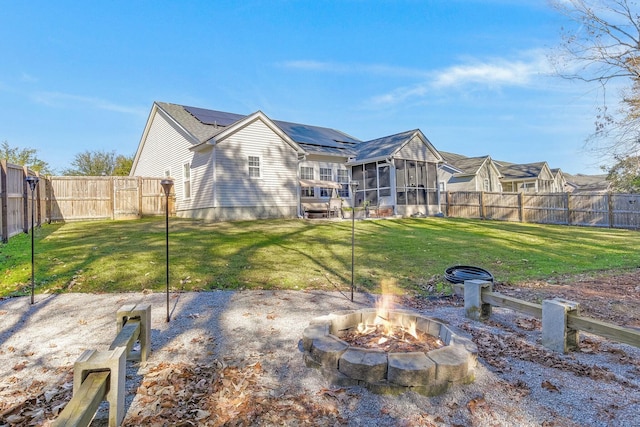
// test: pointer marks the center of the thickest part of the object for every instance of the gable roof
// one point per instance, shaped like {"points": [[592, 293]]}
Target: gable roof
{"points": [[587, 183], [389, 145], [466, 165], [205, 124], [512, 171]]}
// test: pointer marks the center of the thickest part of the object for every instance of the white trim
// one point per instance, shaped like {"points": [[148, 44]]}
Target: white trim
{"points": [[253, 167]]}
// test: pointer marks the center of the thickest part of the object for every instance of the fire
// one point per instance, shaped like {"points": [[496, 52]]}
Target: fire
{"points": [[384, 305]]}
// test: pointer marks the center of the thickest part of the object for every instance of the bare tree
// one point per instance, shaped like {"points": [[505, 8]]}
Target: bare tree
{"points": [[604, 46]]}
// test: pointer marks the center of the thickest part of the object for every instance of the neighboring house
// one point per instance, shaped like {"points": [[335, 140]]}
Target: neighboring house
{"points": [[461, 173], [587, 183], [230, 166], [527, 178], [560, 182]]}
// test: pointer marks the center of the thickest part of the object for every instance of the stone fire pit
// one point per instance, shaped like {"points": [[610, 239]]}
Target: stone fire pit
{"points": [[429, 373]]}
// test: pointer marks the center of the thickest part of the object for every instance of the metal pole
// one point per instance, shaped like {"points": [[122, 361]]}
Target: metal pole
{"points": [[32, 239], [167, 245], [353, 185], [353, 242]]}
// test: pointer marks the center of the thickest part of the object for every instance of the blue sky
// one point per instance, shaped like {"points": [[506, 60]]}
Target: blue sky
{"points": [[473, 75]]}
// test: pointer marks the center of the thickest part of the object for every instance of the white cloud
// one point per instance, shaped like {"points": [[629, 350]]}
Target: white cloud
{"points": [[489, 73], [334, 67], [58, 99]]}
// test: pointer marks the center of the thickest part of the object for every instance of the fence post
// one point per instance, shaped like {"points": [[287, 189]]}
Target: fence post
{"points": [[4, 202], [141, 312], [482, 206], [113, 361], [567, 199], [474, 308], [556, 334], [610, 207], [25, 200], [521, 206]]}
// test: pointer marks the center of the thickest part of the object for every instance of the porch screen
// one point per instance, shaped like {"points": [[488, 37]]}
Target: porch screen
{"points": [[415, 182]]}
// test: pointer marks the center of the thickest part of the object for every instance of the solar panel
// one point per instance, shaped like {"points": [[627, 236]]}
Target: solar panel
{"points": [[212, 117], [315, 135]]}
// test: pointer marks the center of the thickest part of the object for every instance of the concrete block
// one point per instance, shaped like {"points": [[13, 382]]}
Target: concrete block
{"points": [[312, 332], [368, 315], [556, 335], [428, 326], [411, 369], [452, 363], [327, 350], [113, 361], [344, 320], [473, 306], [141, 312], [402, 318], [364, 364]]}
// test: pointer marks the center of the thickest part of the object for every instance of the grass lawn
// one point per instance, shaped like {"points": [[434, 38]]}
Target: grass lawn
{"points": [[121, 256]]}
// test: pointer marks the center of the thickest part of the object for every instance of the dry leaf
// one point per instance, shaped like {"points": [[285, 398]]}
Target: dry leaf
{"points": [[547, 385], [474, 404]]}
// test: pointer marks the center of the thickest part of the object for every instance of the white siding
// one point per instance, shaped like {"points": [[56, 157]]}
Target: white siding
{"points": [[416, 150], [166, 147], [279, 167]]}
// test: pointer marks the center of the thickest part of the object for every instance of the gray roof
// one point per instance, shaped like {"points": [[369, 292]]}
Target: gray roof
{"points": [[205, 124], [203, 132], [385, 146], [521, 171], [587, 183], [468, 165]]}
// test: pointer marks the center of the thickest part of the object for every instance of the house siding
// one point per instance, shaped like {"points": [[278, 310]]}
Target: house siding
{"points": [[278, 183], [166, 147], [416, 150]]}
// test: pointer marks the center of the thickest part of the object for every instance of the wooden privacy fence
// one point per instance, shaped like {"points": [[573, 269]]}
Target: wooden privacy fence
{"points": [[78, 198], [75, 198], [561, 320], [614, 210], [16, 201]]}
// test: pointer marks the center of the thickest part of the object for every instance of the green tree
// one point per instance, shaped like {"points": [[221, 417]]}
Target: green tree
{"points": [[98, 163], [24, 157], [122, 165]]}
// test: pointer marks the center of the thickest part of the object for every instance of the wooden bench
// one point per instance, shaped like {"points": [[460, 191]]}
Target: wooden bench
{"points": [[322, 209]]}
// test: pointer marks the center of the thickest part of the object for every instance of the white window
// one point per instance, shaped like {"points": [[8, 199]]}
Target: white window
{"points": [[306, 172], [326, 174], [186, 180], [443, 186], [529, 187], [486, 185], [307, 192], [254, 167], [343, 179]]}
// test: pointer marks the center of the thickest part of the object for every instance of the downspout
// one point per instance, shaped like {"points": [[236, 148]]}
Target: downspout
{"points": [[215, 181], [301, 158], [438, 194]]}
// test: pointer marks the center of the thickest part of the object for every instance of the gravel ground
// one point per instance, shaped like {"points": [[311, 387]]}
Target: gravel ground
{"points": [[517, 382]]}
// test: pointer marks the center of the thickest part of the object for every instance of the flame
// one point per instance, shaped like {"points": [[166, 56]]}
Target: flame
{"points": [[411, 330], [383, 305]]}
